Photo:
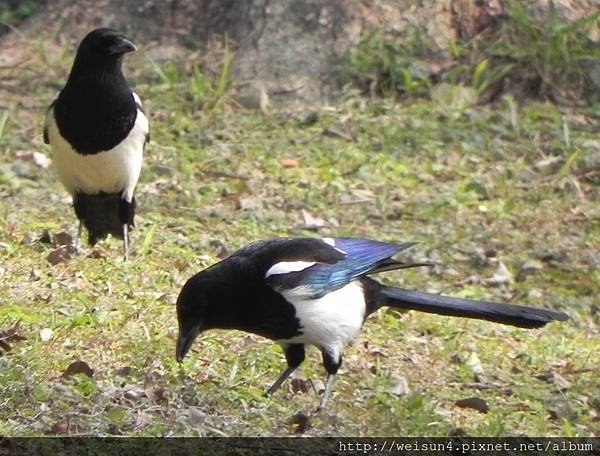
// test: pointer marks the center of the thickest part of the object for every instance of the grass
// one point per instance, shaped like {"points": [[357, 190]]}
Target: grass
{"points": [[551, 55], [386, 66], [471, 186], [542, 56]]}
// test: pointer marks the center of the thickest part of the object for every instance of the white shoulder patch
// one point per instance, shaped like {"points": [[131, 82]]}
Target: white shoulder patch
{"points": [[49, 112], [331, 242], [285, 267], [137, 100]]}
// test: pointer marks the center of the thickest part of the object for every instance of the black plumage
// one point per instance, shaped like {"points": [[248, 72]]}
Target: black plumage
{"points": [[103, 214], [307, 291]]}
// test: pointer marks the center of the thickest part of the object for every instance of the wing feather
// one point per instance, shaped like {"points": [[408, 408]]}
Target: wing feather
{"points": [[49, 112], [360, 257]]}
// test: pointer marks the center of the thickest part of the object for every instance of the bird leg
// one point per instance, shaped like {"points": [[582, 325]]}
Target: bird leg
{"points": [[78, 238], [125, 242], [285, 374], [327, 393], [294, 355], [332, 361]]}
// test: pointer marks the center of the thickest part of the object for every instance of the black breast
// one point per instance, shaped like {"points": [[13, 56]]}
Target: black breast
{"points": [[94, 118]]}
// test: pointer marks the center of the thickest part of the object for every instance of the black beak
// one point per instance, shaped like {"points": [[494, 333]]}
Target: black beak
{"points": [[184, 343], [123, 46]]}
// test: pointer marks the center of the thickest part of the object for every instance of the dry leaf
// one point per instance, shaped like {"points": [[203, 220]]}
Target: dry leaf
{"points": [[61, 427], [161, 394], [63, 238], [529, 268], [561, 382], [401, 388], [289, 162], [61, 255], [220, 249], [553, 377], [123, 371], [46, 237], [475, 403], [560, 408], [357, 196], [300, 422], [78, 367], [332, 132], [549, 165], [298, 385], [9, 335], [37, 158], [249, 203], [97, 254], [311, 222], [474, 363], [501, 276], [545, 375]]}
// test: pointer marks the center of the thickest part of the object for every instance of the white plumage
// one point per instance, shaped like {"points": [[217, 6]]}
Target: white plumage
{"points": [[331, 242], [330, 322], [285, 267]]}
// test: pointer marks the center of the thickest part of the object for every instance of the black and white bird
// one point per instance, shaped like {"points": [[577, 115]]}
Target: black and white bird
{"points": [[307, 291], [97, 134]]}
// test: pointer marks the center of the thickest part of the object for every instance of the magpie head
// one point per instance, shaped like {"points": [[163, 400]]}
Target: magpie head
{"points": [[191, 316], [103, 45]]}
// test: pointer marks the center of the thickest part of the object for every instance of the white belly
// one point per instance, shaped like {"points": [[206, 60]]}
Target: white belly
{"points": [[330, 322], [111, 171]]}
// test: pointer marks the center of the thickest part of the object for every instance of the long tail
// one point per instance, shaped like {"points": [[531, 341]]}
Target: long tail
{"points": [[508, 314], [104, 214]]}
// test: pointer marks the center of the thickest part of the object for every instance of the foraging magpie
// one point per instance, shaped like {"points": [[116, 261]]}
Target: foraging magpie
{"points": [[97, 132], [308, 291]]}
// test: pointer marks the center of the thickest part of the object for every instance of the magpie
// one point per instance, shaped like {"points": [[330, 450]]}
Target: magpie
{"points": [[308, 291], [97, 133]]}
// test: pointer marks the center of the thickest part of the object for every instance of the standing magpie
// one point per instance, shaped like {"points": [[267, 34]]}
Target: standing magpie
{"points": [[97, 133], [307, 291]]}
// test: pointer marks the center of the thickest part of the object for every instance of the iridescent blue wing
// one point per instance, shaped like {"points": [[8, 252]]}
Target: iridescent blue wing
{"points": [[313, 279]]}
